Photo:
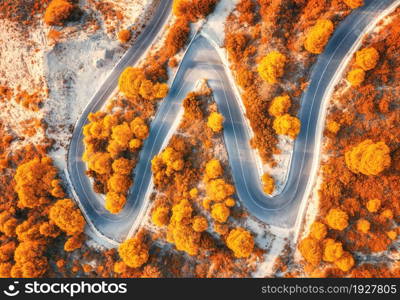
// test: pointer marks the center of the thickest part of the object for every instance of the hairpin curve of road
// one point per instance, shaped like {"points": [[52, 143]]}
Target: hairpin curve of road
{"points": [[204, 59]]}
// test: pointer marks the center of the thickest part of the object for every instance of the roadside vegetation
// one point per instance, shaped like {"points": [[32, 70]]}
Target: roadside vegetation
{"points": [[272, 46], [358, 197], [114, 138], [195, 226]]}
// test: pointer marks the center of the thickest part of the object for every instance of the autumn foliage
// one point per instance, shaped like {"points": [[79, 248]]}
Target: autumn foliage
{"points": [[67, 217], [268, 184], [280, 105], [36, 183], [356, 76], [124, 36], [133, 83], [272, 67], [215, 121], [58, 11], [311, 251], [318, 231], [112, 142], [368, 158], [180, 229], [161, 215], [337, 219], [177, 37], [367, 58], [185, 209], [193, 9], [29, 260], [27, 231], [318, 36], [134, 252], [287, 125], [316, 249], [241, 242], [354, 3], [214, 169]]}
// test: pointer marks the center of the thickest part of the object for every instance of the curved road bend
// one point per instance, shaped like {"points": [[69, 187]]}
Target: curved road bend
{"points": [[91, 203], [202, 60]]}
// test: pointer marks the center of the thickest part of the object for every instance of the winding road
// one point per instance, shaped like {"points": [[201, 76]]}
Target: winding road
{"points": [[204, 59]]}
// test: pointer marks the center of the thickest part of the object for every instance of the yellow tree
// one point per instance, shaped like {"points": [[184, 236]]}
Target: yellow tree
{"points": [[180, 229], [241, 242], [368, 158], [337, 219], [280, 106], [67, 217], [367, 58], [287, 125], [333, 250], [133, 83], [35, 182], [268, 184], [160, 215], [272, 67], [115, 202], [58, 11], [200, 224], [356, 76], [220, 212], [134, 252], [218, 190], [311, 251], [354, 3], [318, 36], [213, 169], [318, 231], [345, 262], [215, 122]]}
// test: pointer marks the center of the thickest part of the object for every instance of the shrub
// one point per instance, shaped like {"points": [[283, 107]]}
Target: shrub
{"points": [[220, 213], [134, 252], [373, 205], [337, 219], [318, 231], [318, 36], [215, 122], [280, 106], [268, 184], [311, 251], [58, 11], [363, 226], [272, 67], [333, 250], [241, 242], [213, 169], [287, 125], [333, 127], [67, 217], [367, 58], [368, 158], [354, 3], [124, 36], [356, 76]]}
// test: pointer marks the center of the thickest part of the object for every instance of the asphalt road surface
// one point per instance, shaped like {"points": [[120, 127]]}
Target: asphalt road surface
{"points": [[202, 60]]}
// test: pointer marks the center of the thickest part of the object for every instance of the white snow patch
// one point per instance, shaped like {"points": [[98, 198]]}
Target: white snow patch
{"points": [[215, 26]]}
